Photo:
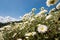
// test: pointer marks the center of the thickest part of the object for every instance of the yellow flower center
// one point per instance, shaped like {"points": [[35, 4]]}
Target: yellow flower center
{"points": [[42, 28], [30, 34], [52, 2]]}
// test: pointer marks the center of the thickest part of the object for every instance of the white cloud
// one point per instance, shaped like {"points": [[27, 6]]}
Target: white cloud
{"points": [[8, 19]]}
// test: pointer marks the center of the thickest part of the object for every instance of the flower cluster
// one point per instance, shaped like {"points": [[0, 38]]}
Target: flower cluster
{"points": [[42, 26]]}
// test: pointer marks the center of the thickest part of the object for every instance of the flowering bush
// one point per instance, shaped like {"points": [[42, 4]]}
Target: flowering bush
{"points": [[41, 26]]}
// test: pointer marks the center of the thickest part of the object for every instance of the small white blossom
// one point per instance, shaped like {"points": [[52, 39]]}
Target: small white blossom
{"points": [[51, 2], [19, 39], [58, 28], [33, 33], [42, 8], [44, 11], [1, 28], [48, 17], [26, 22], [22, 27], [26, 37], [30, 34], [8, 27], [32, 19], [58, 6], [40, 14], [42, 28], [14, 35], [52, 10], [33, 9]]}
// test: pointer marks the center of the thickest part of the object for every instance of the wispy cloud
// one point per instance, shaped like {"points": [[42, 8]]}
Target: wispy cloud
{"points": [[8, 19]]}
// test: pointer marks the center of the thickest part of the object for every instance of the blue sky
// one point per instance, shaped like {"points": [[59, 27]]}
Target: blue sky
{"points": [[16, 8]]}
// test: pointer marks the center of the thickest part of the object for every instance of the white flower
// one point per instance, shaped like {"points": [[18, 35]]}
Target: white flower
{"points": [[42, 8], [52, 10], [8, 27], [26, 37], [40, 14], [1, 28], [42, 28], [22, 27], [44, 11], [32, 19], [14, 35], [58, 28], [58, 6], [33, 9], [51, 2], [30, 34], [26, 22], [33, 33], [19, 39], [48, 17]]}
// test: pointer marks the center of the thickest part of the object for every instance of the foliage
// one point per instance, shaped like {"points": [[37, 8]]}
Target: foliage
{"points": [[40, 26]]}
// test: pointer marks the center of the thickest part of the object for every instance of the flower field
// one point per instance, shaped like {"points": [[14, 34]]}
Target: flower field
{"points": [[41, 26]]}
